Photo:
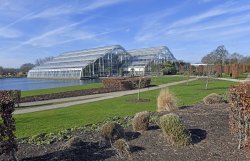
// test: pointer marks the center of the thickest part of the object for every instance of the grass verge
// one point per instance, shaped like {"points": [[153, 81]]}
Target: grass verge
{"points": [[155, 81], [91, 113], [60, 89], [242, 76]]}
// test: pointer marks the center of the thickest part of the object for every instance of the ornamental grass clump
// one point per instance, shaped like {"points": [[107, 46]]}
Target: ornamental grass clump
{"points": [[174, 131], [213, 98], [140, 121], [122, 148], [166, 101], [74, 142], [112, 131]]}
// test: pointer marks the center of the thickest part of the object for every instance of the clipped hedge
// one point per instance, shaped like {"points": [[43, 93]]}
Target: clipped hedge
{"points": [[235, 70], [8, 144], [66, 94], [122, 83], [239, 116]]}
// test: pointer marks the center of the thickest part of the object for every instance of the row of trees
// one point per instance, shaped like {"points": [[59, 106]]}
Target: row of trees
{"points": [[23, 70], [221, 56], [16, 71]]}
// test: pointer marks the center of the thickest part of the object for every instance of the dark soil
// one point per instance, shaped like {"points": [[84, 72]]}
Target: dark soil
{"points": [[208, 125]]}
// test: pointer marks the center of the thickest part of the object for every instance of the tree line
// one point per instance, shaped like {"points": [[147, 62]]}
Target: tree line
{"points": [[221, 56], [23, 69]]}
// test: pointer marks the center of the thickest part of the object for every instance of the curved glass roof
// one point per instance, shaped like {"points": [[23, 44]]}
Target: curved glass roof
{"points": [[142, 57], [80, 58]]}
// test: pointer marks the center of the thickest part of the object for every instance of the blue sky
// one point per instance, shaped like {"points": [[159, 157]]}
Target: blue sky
{"points": [[32, 29]]}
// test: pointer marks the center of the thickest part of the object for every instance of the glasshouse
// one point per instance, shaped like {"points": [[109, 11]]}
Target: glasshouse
{"points": [[102, 62], [96, 62], [145, 60]]}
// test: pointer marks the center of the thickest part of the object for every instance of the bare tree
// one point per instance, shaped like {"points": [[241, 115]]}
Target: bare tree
{"points": [[245, 60], [218, 56], [235, 58], [26, 67]]}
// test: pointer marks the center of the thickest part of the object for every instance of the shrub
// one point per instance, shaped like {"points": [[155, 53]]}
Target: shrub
{"points": [[141, 121], [174, 130], [213, 98], [239, 113], [154, 120], [122, 148], [74, 142], [122, 83], [8, 144], [112, 131], [166, 101]]}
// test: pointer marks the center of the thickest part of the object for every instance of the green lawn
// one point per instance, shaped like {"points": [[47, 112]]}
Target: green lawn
{"points": [[155, 81], [89, 113], [241, 77], [166, 79], [60, 89]]}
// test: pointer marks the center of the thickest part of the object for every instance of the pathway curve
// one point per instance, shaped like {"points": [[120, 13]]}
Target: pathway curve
{"points": [[66, 102]]}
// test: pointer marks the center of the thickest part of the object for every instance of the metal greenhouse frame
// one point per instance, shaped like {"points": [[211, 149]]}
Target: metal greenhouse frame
{"points": [[143, 60], [96, 62]]}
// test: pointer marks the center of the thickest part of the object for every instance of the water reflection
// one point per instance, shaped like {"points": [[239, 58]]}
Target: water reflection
{"points": [[33, 84]]}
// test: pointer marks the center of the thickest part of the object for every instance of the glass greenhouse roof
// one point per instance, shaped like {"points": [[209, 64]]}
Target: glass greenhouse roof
{"points": [[143, 57], [80, 58]]}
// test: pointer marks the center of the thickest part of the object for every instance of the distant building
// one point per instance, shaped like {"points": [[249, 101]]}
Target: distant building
{"points": [[101, 62]]}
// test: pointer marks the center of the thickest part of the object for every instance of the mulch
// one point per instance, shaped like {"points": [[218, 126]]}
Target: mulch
{"points": [[208, 125]]}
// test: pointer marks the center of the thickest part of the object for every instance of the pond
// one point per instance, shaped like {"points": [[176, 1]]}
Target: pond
{"points": [[25, 84]]}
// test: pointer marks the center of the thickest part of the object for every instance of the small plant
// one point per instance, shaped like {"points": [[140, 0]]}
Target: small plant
{"points": [[213, 98], [74, 142], [174, 130], [166, 101], [154, 120], [122, 148], [112, 131], [141, 121]]}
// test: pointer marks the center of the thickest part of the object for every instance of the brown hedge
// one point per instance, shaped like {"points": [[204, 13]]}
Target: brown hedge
{"points": [[245, 68], [235, 70], [218, 69], [239, 116], [226, 69], [122, 83]]}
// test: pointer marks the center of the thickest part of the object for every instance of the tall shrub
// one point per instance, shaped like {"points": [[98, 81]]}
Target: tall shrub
{"points": [[8, 144]]}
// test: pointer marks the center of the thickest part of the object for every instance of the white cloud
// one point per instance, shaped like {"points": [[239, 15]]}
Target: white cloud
{"points": [[9, 33], [66, 9], [151, 32], [52, 37]]}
